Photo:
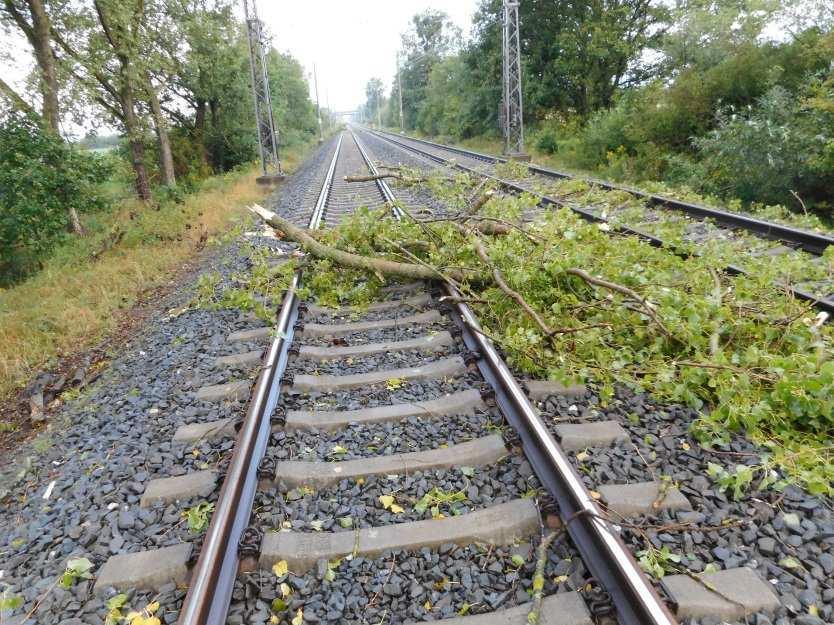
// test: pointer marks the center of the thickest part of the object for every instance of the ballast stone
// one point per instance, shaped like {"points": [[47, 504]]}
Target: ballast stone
{"points": [[231, 391], [447, 367], [431, 342], [628, 500], [475, 453], [179, 488], [577, 436], [145, 570], [464, 402], [340, 329], [501, 524], [567, 608], [746, 593]]}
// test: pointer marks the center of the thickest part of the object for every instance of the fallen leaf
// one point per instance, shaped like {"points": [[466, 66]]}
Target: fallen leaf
{"points": [[386, 500], [396, 509], [298, 619], [280, 568]]}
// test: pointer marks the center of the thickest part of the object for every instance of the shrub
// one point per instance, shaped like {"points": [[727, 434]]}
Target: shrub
{"points": [[759, 155], [41, 178], [547, 141]]}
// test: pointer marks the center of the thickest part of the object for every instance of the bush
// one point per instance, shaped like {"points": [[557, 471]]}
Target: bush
{"points": [[41, 179], [760, 155], [547, 142]]}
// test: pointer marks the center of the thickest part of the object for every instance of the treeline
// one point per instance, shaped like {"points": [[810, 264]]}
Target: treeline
{"points": [[172, 76], [732, 98]]}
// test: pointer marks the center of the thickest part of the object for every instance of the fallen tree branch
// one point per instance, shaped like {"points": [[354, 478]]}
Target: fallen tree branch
{"points": [[482, 253], [538, 577], [623, 290], [382, 177], [376, 265]]}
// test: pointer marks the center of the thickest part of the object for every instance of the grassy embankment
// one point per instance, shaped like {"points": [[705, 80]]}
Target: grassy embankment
{"points": [[75, 300]]}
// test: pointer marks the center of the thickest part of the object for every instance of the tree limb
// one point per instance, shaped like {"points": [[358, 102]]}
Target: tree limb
{"points": [[623, 290], [16, 101], [320, 250]]}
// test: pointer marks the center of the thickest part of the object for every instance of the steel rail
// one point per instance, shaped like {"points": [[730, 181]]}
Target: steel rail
{"points": [[812, 242], [212, 582], [824, 304], [603, 551]]}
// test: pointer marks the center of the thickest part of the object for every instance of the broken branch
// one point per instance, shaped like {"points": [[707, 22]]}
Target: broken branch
{"points": [[357, 261]]}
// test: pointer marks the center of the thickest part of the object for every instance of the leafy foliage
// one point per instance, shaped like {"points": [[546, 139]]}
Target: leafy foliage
{"points": [[750, 359], [41, 178]]}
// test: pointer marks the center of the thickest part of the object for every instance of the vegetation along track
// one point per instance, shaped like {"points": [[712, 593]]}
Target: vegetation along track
{"points": [[390, 468], [378, 476], [747, 243]]}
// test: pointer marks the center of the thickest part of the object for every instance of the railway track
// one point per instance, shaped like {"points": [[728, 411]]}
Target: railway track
{"points": [[754, 241], [390, 468]]}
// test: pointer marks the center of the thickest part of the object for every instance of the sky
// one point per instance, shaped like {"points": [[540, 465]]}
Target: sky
{"points": [[350, 42]]}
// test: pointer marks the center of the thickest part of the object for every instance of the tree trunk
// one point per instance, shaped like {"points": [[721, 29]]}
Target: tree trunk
{"points": [[218, 152], [166, 160], [134, 137], [41, 42], [200, 133]]}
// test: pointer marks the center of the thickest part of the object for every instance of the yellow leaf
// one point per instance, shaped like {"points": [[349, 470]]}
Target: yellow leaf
{"points": [[396, 509], [595, 494], [685, 446], [386, 500], [582, 456], [142, 620], [427, 606], [360, 481], [152, 607], [274, 620], [560, 579], [280, 568], [285, 589], [298, 619]]}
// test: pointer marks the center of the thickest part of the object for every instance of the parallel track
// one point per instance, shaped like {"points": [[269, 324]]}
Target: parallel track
{"points": [[480, 164]]}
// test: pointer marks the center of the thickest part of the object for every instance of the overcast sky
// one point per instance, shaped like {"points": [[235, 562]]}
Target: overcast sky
{"points": [[350, 42]]}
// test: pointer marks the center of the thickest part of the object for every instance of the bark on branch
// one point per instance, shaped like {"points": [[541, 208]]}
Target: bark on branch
{"points": [[320, 250]]}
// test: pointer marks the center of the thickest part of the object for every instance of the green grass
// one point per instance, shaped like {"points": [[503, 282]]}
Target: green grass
{"points": [[75, 300]]}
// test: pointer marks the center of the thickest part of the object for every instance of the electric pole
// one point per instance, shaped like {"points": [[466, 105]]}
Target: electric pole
{"points": [[511, 106], [378, 109], [318, 108], [400, 93], [264, 120]]}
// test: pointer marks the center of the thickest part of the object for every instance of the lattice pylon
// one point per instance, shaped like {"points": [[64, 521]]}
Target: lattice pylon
{"points": [[512, 112], [267, 134]]}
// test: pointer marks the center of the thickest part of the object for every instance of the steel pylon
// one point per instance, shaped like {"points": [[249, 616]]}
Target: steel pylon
{"points": [[265, 122], [512, 122]]}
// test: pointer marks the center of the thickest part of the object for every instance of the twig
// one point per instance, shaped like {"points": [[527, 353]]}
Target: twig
{"points": [[387, 577], [382, 177], [623, 290], [538, 577], [801, 203]]}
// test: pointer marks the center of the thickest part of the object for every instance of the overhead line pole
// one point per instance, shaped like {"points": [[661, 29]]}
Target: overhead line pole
{"points": [[264, 119], [318, 108], [400, 92], [512, 112]]}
